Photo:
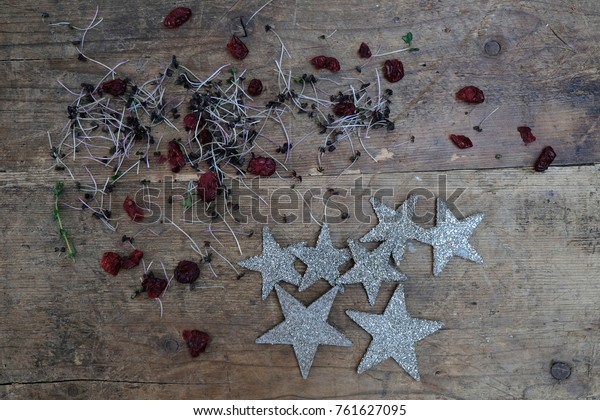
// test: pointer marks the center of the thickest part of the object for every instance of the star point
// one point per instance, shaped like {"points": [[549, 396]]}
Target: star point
{"points": [[394, 334], [305, 328]]}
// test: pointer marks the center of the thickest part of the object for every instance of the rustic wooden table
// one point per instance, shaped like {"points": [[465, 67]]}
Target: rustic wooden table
{"points": [[69, 330]]}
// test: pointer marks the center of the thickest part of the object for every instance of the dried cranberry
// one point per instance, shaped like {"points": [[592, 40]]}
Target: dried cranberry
{"points": [[187, 272], [255, 87], [196, 341], [364, 51], [237, 48], [132, 260], [344, 109], [393, 70], [175, 155], [177, 17], [462, 142], [263, 166], [208, 184], [545, 159], [333, 64], [153, 286], [470, 94], [111, 263], [116, 87], [526, 134], [319, 62], [133, 210], [190, 121]]}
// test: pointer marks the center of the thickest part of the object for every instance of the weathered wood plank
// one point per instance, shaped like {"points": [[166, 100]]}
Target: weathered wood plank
{"points": [[545, 75], [70, 330], [532, 302]]}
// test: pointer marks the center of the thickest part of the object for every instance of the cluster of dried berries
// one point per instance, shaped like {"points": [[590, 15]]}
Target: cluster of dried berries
{"points": [[113, 262], [322, 62]]}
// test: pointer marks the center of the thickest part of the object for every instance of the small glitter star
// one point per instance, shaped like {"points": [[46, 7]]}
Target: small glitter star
{"points": [[395, 227], [322, 261], [305, 328], [371, 268], [275, 264], [394, 334], [450, 237]]}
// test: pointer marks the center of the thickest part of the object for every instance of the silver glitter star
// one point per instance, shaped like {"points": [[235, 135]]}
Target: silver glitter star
{"points": [[322, 261], [395, 227], [450, 237], [371, 268], [275, 264], [305, 328], [394, 334]]}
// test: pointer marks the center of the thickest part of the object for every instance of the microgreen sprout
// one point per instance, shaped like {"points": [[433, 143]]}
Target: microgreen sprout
{"points": [[58, 189]]}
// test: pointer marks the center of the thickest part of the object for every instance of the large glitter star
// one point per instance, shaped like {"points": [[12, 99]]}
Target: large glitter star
{"points": [[395, 227], [371, 268], [321, 261], [305, 328], [394, 334], [275, 264], [450, 237]]}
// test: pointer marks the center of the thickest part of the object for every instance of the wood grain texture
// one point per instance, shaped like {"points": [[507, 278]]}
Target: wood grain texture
{"points": [[70, 330]]}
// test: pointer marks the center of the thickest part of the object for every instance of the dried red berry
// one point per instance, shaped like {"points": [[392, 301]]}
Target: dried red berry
{"points": [[196, 340], [255, 87], [393, 70], [133, 210], [470, 94], [111, 263], [526, 134], [462, 142], [187, 272], [190, 122], [545, 159], [177, 17], [175, 155], [333, 64], [319, 62], [237, 48], [153, 286], [116, 87], [364, 51], [344, 109], [263, 166], [132, 260], [208, 184]]}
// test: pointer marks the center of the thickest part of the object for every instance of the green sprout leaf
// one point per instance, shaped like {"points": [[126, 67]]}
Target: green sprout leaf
{"points": [[408, 38], [58, 189]]}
